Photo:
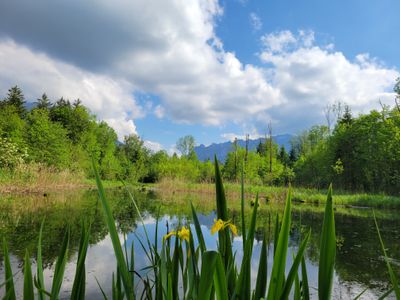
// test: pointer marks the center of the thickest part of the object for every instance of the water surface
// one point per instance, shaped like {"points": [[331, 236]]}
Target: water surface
{"points": [[359, 262]]}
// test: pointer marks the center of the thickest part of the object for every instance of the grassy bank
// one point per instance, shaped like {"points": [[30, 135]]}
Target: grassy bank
{"points": [[37, 178], [278, 194]]}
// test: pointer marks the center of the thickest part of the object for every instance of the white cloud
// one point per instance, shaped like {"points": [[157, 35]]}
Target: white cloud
{"points": [[255, 21], [153, 146], [159, 111], [110, 99], [169, 48], [231, 136], [165, 47], [310, 76]]}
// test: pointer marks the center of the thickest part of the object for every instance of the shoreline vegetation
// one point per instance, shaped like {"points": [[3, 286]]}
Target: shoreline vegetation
{"points": [[42, 180], [277, 194], [49, 147]]}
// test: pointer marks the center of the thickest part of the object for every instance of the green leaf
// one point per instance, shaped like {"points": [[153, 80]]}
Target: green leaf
{"points": [[393, 278], [78, 288], [242, 207], [243, 287], [10, 290], [39, 266], [278, 267], [28, 281], [261, 283], [197, 227], [221, 289], [304, 280], [126, 276], [60, 267], [208, 263], [295, 266], [327, 251]]}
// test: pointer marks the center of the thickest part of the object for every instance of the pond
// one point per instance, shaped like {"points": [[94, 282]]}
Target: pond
{"points": [[359, 261]]}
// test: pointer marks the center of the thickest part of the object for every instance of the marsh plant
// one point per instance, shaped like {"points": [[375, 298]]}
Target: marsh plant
{"points": [[181, 267]]}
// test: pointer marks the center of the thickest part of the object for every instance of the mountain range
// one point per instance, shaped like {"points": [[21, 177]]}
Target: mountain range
{"points": [[222, 149]]}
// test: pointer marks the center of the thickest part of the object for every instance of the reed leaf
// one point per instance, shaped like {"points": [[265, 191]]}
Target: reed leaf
{"points": [[294, 268], [28, 280], [78, 287], [208, 263], [197, 227], [261, 283], [327, 251], [39, 266], [221, 289], [243, 287], [278, 267], [60, 266], [9, 278], [304, 280], [393, 278], [126, 276]]}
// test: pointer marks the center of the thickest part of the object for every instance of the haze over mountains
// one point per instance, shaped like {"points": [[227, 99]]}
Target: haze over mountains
{"points": [[222, 149]]}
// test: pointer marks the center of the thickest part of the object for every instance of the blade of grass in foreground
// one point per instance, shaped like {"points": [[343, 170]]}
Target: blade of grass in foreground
{"points": [[327, 251], [10, 290], [28, 281], [123, 268], [78, 288], [389, 267], [242, 207], [278, 267], [39, 266], [261, 284], [60, 267], [197, 227], [208, 263]]}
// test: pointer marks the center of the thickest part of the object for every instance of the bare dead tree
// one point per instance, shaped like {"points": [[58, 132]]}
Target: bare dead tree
{"points": [[270, 146]]}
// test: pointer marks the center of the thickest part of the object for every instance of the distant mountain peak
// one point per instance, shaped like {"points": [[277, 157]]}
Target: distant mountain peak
{"points": [[222, 149]]}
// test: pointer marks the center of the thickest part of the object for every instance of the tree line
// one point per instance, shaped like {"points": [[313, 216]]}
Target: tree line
{"points": [[357, 153]]}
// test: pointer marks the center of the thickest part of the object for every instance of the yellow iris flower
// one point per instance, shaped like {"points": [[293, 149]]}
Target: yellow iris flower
{"points": [[220, 224], [183, 234]]}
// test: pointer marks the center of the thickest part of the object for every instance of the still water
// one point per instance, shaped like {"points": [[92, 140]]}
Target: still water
{"points": [[359, 261]]}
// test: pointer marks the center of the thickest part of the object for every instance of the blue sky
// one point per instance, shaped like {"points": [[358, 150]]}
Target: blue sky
{"points": [[214, 69]]}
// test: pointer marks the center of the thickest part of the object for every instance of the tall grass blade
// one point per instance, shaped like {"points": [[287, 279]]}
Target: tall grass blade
{"points": [[261, 283], [208, 263], [10, 289], [327, 251], [305, 290], [221, 289], [28, 280], [60, 266], [295, 267], [78, 288], [242, 206], [243, 287], [393, 278], [126, 276], [278, 267], [197, 227], [39, 266]]}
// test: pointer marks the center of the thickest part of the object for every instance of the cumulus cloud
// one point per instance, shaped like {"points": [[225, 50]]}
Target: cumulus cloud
{"points": [[255, 21], [104, 52], [35, 72], [309, 77], [168, 48], [152, 146]]}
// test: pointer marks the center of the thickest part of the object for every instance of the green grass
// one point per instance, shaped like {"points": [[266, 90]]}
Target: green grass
{"points": [[183, 269], [278, 194]]}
